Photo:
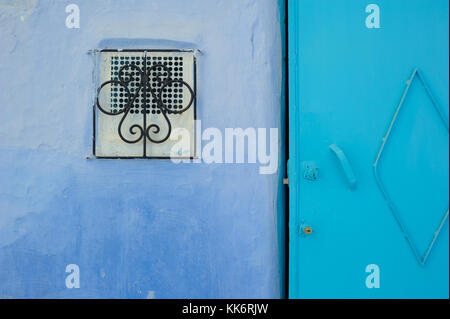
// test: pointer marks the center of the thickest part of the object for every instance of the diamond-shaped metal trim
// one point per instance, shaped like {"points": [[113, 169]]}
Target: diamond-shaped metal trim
{"points": [[391, 204]]}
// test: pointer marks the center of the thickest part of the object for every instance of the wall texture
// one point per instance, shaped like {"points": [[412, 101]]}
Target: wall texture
{"points": [[136, 228]]}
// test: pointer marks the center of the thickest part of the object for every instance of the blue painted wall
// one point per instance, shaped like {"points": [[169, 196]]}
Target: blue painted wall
{"points": [[136, 228]]}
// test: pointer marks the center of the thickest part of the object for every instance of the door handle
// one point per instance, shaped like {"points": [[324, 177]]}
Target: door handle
{"points": [[345, 164]]}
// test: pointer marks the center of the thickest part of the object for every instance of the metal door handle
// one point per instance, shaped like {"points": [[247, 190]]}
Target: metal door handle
{"points": [[345, 164]]}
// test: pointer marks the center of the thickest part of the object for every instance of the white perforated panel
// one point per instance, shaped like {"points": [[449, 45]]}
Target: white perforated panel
{"points": [[134, 109]]}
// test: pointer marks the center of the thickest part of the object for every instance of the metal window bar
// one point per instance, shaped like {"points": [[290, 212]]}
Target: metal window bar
{"points": [[164, 79]]}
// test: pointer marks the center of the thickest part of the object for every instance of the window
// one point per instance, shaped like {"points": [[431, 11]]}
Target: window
{"points": [[142, 97]]}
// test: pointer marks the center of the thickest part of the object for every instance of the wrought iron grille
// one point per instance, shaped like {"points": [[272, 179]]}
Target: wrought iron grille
{"points": [[147, 90]]}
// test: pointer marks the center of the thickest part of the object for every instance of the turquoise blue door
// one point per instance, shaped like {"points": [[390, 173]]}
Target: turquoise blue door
{"points": [[368, 149]]}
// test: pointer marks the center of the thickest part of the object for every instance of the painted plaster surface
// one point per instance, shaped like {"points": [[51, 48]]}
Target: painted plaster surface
{"points": [[135, 228]]}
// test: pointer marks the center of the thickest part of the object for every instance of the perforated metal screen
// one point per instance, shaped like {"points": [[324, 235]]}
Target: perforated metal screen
{"points": [[172, 93], [145, 96]]}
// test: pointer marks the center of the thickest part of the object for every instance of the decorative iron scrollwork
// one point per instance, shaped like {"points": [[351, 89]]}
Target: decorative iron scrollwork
{"points": [[129, 73]]}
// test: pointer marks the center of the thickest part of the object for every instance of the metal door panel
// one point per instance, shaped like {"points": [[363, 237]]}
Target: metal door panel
{"points": [[345, 84]]}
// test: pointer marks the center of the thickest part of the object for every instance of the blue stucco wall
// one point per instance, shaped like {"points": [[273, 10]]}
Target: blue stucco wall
{"points": [[136, 228]]}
